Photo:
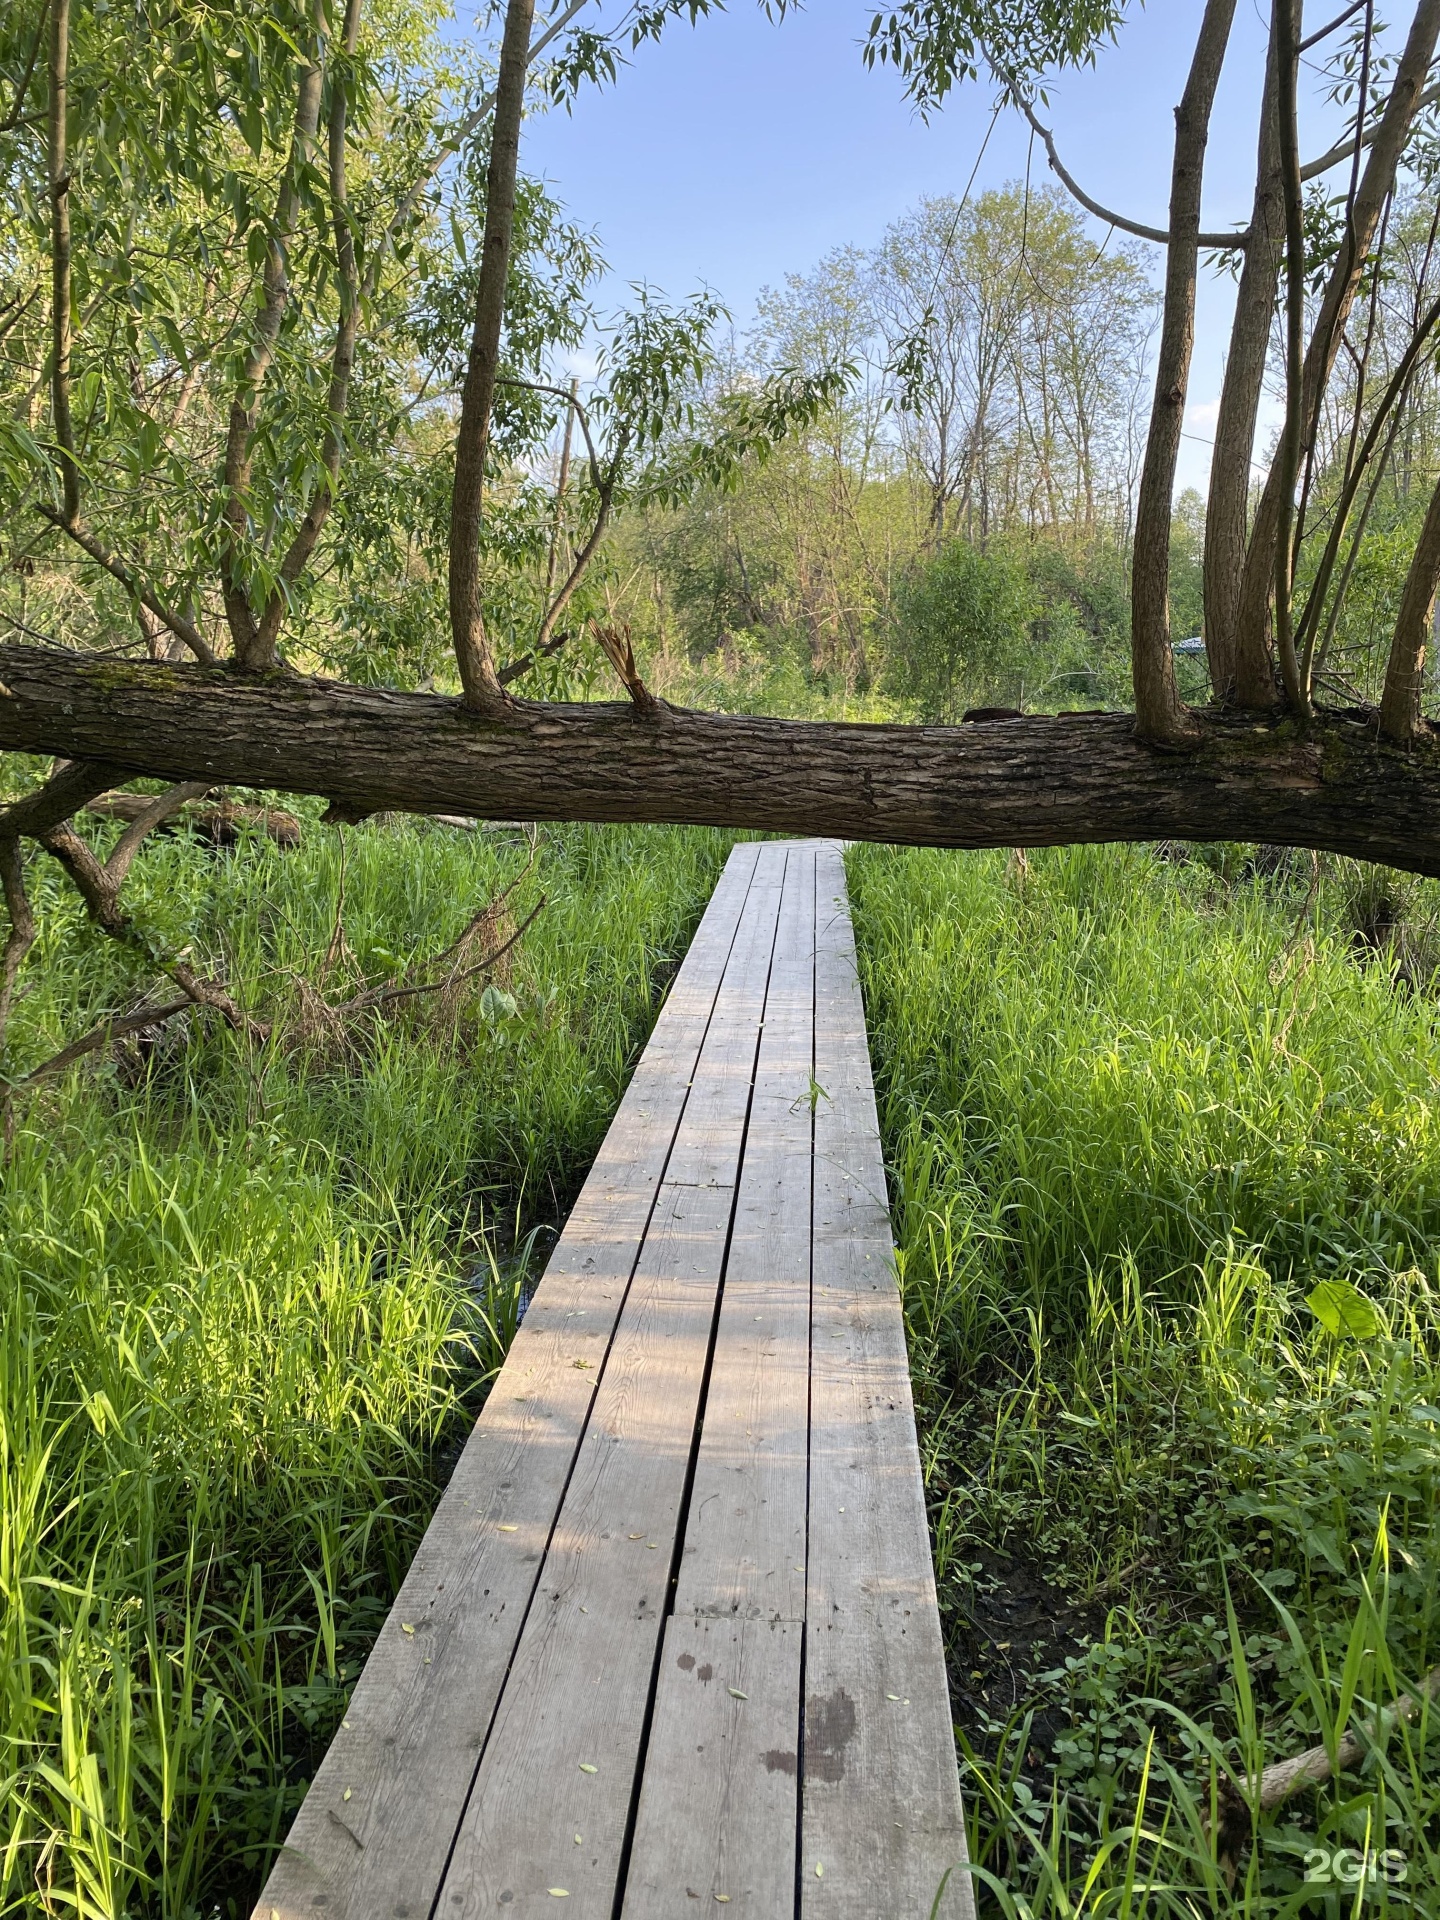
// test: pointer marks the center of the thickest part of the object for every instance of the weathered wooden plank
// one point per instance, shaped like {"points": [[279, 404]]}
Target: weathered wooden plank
{"points": [[711, 1814], [501, 1722], [375, 1829], [881, 1801], [562, 1755], [744, 1549], [717, 1811]]}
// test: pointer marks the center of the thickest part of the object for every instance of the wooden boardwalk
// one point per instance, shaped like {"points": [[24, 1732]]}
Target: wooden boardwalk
{"points": [[671, 1639]]}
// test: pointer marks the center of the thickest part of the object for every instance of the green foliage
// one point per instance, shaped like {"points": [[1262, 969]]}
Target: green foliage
{"points": [[961, 631], [248, 1303], [992, 361], [1166, 1178], [938, 43], [1187, 554]]}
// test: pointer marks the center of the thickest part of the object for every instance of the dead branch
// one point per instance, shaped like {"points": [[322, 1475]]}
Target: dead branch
{"points": [[72, 785], [99, 884], [385, 996], [21, 936], [115, 1028], [222, 821], [614, 643], [513, 671], [1285, 1778]]}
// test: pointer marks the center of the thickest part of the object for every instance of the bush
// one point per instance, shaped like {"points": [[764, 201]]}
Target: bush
{"points": [[961, 633]]}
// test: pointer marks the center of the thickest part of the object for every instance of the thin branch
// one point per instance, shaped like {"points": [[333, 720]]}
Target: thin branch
{"points": [[1160, 235], [562, 484], [1400, 717], [578, 568], [511, 672], [122, 855], [182, 629], [603, 482], [15, 310], [1357, 541], [22, 85], [572, 400], [99, 884], [1392, 398], [1347, 147], [1311, 428], [468, 127], [1255, 672], [383, 996], [1323, 33], [108, 1030], [59, 190]]}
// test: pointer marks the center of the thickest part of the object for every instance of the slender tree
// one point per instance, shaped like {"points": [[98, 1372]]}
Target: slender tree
{"points": [[1159, 712]]}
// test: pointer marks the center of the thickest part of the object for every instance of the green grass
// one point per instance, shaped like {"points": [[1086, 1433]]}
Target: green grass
{"points": [[1135, 1114], [248, 1301]]}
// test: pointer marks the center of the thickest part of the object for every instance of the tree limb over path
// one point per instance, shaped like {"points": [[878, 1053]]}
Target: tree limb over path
{"points": [[1034, 782]]}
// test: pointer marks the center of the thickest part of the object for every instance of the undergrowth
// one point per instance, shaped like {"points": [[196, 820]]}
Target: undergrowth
{"points": [[249, 1299], [1164, 1146]]}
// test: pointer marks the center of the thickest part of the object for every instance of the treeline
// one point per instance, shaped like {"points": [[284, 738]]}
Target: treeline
{"points": [[967, 497], [955, 530]]}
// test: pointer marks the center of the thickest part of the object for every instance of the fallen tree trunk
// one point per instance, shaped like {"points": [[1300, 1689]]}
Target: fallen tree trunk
{"points": [[223, 821], [1034, 782]]}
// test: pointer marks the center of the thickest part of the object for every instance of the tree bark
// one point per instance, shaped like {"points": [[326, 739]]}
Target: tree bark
{"points": [[477, 404], [1031, 782], [1159, 711], [1405, 670], [60, 293], [1288, 456], [1255, 678], [1228, 507]]}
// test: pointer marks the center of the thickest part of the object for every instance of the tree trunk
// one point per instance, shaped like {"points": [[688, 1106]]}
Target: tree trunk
{"points": [[1228, 507], [477, 404], [1032, 782], [1255, 679], [1159, 710], [58, 162], [1405, 670]]}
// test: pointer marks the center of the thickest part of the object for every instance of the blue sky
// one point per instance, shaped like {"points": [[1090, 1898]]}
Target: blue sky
{"points": [[739, 150]]}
